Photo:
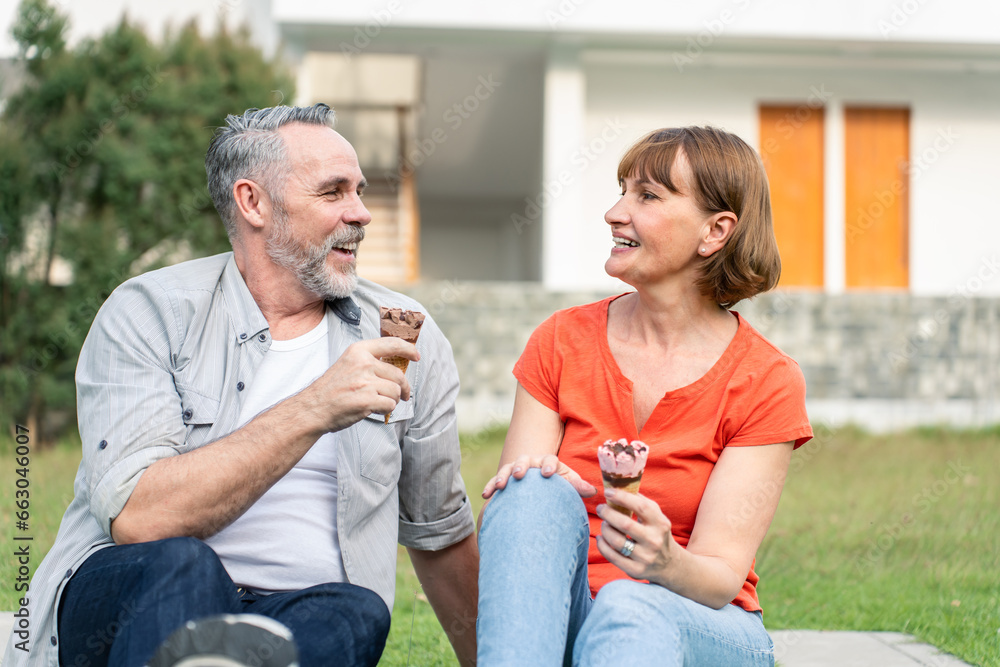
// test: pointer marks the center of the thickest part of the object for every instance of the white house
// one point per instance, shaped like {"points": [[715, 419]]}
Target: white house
{"points": [[879, 121], [491, 134]]}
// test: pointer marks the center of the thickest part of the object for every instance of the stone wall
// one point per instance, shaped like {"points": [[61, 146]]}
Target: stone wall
{"points": [[881, 360]]}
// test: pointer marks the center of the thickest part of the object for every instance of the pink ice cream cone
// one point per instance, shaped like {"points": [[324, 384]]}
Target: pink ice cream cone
{"points": [[622, 463]]}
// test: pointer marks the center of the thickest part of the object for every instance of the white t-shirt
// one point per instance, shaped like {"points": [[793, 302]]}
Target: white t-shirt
{"points": [[287, 540]]}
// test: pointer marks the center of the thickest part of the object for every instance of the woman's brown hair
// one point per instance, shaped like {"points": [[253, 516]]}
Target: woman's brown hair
{"points": [[727, 176]]}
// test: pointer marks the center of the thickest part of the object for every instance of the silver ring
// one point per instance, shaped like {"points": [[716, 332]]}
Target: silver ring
{"points": [[627, 548]]}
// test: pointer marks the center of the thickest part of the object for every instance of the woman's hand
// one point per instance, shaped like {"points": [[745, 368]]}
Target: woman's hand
{"points": [[654, 549], [550, 465]]}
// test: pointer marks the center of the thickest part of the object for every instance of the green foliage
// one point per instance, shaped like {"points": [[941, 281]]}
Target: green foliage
{"points": [[102, 166]]}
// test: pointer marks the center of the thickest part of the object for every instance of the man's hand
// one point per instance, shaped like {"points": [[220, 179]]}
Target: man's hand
{"points": [[359, 384]]}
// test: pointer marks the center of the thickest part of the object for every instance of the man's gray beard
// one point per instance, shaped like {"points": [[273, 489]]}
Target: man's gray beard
{"points": [[308, 261]]}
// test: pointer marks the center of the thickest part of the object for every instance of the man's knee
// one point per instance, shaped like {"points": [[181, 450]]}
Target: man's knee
{"points": [[187, 556], [339, 619], [363, 604], [375, 611]]}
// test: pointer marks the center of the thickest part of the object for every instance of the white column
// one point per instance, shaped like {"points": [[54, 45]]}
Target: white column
{"points": [[560, 197], [834, 251]]}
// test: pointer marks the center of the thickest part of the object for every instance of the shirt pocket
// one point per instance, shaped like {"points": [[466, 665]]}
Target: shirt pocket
{"points": [[199, 413], [381, 458]]}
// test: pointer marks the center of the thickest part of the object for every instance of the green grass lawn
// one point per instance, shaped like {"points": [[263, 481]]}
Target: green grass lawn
{"points": [[874, 532]]}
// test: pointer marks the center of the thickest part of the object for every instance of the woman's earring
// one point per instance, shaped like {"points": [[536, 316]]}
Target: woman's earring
{"points": [[704, 250]]}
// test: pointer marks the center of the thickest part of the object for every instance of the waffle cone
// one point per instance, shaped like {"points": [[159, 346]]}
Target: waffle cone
{"points": [[626, 485], [402, 363]]}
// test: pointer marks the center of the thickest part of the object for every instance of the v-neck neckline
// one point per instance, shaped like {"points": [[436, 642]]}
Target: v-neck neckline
{"points": [[737, 345]]}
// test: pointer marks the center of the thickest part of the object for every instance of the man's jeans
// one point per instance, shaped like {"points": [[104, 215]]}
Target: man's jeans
{"points": [[535, 605], [124, 601]]}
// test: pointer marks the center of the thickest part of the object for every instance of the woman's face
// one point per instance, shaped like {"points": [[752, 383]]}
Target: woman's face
{"points": [[657, 233]]}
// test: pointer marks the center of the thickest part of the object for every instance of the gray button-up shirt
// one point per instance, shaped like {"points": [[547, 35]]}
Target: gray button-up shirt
{"points": [[162, 372]]}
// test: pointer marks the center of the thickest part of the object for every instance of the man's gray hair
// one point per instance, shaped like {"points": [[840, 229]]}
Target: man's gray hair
{"points": [[250, 147]]}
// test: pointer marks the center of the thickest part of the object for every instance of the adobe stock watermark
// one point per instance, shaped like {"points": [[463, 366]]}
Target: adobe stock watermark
{"points": [[364, 35], [711, 30], [99, 641], [866, 217], [449, 293], [785, 641], [454, 117], [120, 109], [778, 304], [80, 318], [559, 14], [38, 15], [471, 443], [581, 160], [792, 121], [929, 327], [899, 16], [224, 7], [823, 434], [921, 503]]}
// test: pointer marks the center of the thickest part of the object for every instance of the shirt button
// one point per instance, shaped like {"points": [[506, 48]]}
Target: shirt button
{"points": [[262, 337], [69, 573], [52, 640], [243, 336], [239, 386], [188, 413], [102, 444]]}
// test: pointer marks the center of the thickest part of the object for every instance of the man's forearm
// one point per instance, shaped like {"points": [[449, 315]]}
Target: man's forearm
{"points": [[450, 579], [200, 492]]}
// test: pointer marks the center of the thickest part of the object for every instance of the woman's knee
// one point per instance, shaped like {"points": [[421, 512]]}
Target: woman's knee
{"points": [[638, 603], [554, 495]]}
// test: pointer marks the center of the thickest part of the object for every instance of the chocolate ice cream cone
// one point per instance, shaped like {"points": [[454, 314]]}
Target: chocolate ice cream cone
{"points": [[403, 324]]}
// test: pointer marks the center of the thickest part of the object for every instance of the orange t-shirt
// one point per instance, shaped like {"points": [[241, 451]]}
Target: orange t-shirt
{"points": [[753, 395]]}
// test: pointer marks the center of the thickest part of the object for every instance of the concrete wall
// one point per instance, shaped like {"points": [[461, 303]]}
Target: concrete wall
{"points": [[884, 361]]}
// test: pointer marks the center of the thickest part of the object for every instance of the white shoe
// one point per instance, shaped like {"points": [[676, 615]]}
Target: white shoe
{"points": [[229, 640]]}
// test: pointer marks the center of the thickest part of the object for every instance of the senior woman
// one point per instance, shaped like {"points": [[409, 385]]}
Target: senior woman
{"points": [[564, 579]]}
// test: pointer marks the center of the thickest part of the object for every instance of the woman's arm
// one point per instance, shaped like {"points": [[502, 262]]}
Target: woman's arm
{"points": [[735, 512], [533, 441]]}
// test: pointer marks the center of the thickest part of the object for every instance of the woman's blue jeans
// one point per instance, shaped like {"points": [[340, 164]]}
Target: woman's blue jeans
{"points": [[535, 605]]}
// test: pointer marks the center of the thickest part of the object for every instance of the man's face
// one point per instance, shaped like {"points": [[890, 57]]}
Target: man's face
{"points": [[319, 221]]}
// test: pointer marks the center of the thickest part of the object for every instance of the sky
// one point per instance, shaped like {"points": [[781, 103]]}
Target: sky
{"points": [[91, 17]]}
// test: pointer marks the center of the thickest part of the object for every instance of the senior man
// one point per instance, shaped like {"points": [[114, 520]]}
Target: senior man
{"points": [[235, 454]]}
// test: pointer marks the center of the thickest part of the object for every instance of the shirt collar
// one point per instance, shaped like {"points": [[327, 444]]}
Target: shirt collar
{"points": [[245, 315]]}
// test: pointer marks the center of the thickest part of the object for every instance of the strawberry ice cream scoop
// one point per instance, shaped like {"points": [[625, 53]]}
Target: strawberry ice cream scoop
{"points": [[622, 458]]}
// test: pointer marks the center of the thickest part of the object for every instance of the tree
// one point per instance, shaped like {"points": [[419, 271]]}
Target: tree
{"points": [[101, 178]]}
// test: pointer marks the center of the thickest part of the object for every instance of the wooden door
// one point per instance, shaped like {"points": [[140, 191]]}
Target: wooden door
{"points": [[791, 146], [877, 197]]}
